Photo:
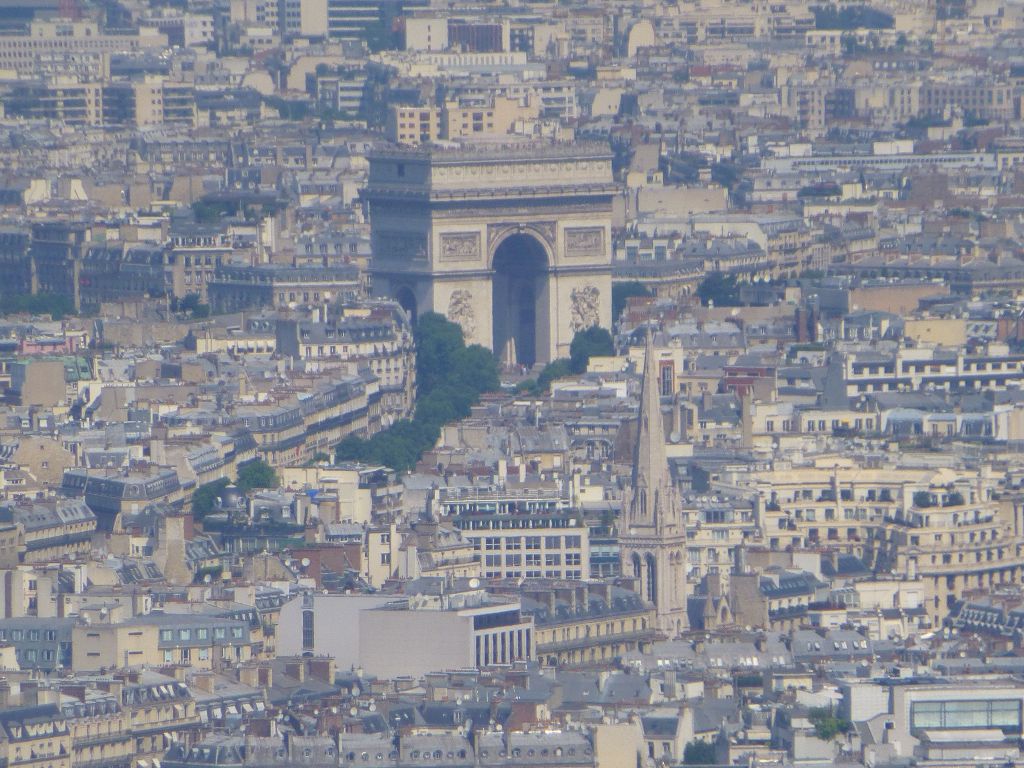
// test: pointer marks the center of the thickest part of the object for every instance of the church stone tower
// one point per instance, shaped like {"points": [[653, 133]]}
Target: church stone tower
{"points": [[652, 539]]}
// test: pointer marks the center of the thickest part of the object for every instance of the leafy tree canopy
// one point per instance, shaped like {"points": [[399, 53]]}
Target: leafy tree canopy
{"points": [[622, 293], [699, 753], [556, 369], [205, 497], [851, 17], [51, 304], [256, 474], [826, 724], [191, 303], [450, 379], [719, 289], [592, 342]]}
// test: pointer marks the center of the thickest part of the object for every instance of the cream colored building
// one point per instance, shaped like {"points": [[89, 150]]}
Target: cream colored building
{"points": [[112, 646], [48, 38], [458, 120], [940, 526]]}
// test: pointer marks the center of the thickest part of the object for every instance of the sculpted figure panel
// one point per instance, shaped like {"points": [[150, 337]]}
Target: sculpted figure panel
{"points": [[460, 310], [461, 246], [586, 303], [584, 241]]}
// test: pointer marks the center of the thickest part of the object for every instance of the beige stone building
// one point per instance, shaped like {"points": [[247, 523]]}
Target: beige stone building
{"points": [[36, 737], [113, 645], [459, 119], [940, 526]]}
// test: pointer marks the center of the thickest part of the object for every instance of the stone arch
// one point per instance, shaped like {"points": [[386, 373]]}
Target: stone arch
{"points": [[520, 262], [498, 238]]}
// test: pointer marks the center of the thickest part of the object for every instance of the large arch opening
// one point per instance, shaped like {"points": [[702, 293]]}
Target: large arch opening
{"points": [[407, 300], [518, 297]]}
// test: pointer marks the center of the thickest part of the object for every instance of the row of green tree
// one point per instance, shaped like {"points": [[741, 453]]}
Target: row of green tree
{"points": [[851, 17], [38, 304], [450, 377], [251, 475]]}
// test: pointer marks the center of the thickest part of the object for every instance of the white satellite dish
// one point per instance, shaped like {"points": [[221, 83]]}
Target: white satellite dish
{"points": [[305, 562]]}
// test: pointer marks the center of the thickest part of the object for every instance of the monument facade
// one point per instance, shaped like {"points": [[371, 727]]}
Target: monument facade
{"points": [[512, 242]]}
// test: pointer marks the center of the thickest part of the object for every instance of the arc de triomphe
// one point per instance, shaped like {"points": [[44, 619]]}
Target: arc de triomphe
{"points": [[513, 242]]}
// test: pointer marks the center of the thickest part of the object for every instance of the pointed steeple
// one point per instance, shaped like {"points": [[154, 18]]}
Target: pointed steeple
{"points": [[650, 465]]}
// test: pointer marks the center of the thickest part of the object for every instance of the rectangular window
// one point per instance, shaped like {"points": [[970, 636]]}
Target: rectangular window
{"points": [[1005, 715], [492, 543], [552, 542], [307, 630], [533, 542], [552, 559]]}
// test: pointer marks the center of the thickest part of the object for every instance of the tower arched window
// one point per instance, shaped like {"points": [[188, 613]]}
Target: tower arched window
{"points": [[652, 580]]}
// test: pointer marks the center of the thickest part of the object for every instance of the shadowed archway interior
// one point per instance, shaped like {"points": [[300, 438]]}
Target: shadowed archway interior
{"points": [[407, 301], [519, 284]]}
